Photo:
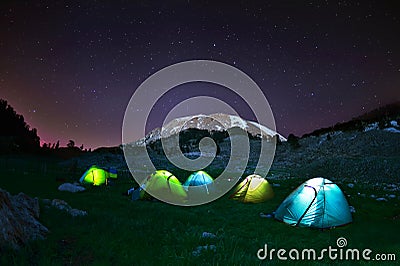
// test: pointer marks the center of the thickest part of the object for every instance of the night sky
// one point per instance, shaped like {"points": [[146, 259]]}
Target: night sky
{"points": [[70, 69]]}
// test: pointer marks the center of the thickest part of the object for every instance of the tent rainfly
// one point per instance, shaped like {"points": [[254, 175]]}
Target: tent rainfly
{"points": [[253, 189], [165, 186], [199, 179], [97, 176], [317, 203]]}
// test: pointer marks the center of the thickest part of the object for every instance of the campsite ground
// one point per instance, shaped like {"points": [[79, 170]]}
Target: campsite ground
{"points": [[122, 232]]}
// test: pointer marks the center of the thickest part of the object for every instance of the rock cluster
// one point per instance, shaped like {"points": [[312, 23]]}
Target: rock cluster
{"points": [[71, 187], [19, 223], [63, 206]]}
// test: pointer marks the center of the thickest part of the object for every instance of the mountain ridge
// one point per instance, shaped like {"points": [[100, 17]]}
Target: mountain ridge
{"points": [[217, 122], [382, 115]]}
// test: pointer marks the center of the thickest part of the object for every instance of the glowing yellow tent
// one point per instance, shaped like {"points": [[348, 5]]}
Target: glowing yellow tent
{"points": [[253, 189], [97, 176], [164, 186]]}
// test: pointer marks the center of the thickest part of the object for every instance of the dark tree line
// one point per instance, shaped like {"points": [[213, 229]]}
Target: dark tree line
{"points": [[15, 133], [17, 136], [50, 146]]}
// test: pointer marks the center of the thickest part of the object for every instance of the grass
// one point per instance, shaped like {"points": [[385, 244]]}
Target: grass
{"points": [[118, 231]]}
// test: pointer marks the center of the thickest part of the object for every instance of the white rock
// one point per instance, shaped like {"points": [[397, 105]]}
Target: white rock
{"points": [[70, 188], [391, 196], [352, 209], [263, 215], [392, 130], [64, 206], [76, 212], [381, 199], [199, 249], [373, 126], [276, 185], [207, 235], [60, 204], [373, 196], [350, 185]]}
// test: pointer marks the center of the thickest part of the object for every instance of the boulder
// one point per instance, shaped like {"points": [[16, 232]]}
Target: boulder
{"points": [[207, 235], [60, 204], [19, 223], [381, 199], [76, 212], [71, 187], [263, 215], [64, 206], [198, 250]]}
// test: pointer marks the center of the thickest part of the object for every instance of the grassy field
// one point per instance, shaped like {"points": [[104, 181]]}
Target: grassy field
{"points": [[118, 231]]}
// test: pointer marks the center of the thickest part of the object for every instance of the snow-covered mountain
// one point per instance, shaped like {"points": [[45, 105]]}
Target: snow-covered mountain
{"points": [[212, 123], [364, 148]]}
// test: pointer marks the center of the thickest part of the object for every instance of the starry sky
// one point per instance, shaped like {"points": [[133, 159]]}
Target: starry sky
{"points": [[70, 68]]}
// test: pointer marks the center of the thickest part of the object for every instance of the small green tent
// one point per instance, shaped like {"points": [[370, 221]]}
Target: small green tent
{"points": [[97, 176], [253, 189], [199, 179], [164, 186], [317, 203]]}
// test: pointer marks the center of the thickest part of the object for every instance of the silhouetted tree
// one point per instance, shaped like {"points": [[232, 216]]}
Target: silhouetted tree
{"points": [[382, 124], [81, 147], [57, 145], [293, 141], [71, 144], [16, 130], [277, 139]]}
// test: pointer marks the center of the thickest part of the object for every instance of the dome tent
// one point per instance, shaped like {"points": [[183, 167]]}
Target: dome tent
{"points": [[164, 186], [253, 189], [317, 203], [97, 176], [199, 178]]}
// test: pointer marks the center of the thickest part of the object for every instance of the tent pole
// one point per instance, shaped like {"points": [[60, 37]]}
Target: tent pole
{"points": [[309, 206]]}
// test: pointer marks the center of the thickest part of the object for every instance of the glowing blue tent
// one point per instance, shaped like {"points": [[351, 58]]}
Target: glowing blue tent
{"points": [[199, 178], [317, 203]]}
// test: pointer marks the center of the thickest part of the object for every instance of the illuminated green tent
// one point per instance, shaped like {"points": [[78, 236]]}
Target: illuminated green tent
{"points": [[197, 179], [164, 186], [97, 176], [317, 203], [253, 189]]}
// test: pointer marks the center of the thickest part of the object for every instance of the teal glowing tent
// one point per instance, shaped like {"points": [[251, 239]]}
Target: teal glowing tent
{"points": [[317, 203], [199, 178]]}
